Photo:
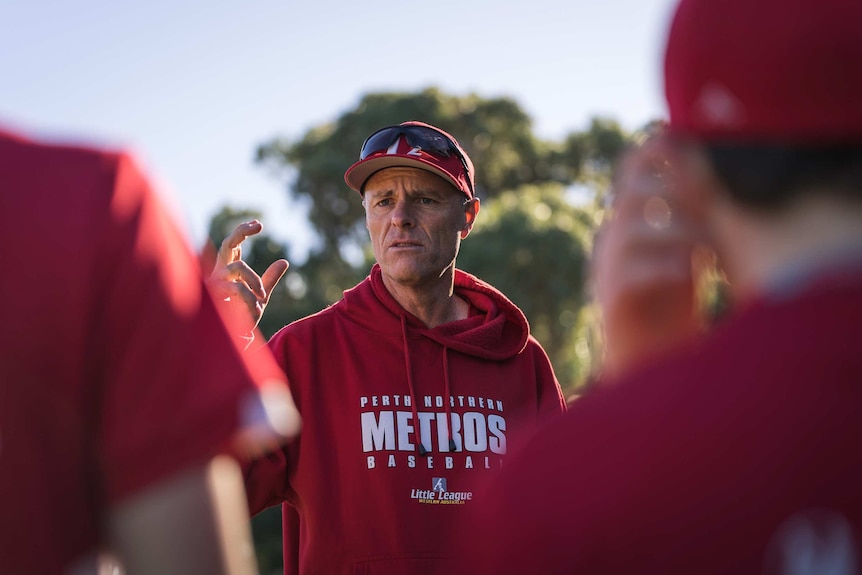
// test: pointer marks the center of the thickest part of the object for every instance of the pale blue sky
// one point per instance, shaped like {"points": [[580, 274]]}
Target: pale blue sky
{"points": [[194, 86]]}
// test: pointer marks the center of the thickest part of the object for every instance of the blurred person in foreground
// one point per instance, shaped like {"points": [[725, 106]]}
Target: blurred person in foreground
{"points": [[412, 387], [122, 396], [735, 451]]}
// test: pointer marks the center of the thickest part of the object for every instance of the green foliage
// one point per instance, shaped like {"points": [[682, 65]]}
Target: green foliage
{"points": [[532, 244], [307, 289], [266, 531]]}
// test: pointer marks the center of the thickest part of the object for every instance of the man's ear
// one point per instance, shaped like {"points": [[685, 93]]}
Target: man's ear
{"points": [[471, 210]]}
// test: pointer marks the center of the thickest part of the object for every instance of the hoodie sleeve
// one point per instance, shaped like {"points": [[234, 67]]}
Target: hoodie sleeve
{"points": [[267, 475], [266, 481]]}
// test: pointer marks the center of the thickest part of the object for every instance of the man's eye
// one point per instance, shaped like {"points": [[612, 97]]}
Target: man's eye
{"points": [[426, 201], [384, 202]]}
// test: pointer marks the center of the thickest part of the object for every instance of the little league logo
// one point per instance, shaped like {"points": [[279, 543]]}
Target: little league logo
{"points": [[439, 494]]}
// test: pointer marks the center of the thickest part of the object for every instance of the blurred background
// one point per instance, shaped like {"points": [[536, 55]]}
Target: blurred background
{"points": [[255, 109]]}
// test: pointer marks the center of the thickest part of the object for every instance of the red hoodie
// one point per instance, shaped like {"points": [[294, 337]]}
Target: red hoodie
{"points": [[370, 490], [737, 454]]}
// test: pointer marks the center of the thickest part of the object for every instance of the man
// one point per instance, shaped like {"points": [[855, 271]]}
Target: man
{"points": [[412, 387], [111, 423], [736, 452]]}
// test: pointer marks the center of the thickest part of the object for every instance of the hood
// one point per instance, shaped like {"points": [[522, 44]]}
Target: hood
{"points": [[498, 331]]}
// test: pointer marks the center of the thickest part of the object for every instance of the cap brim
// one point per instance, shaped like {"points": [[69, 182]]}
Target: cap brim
{"points": [[357, 174]]}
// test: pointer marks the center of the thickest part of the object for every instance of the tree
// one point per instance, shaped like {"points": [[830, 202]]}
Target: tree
{"points": [[532, 244]]}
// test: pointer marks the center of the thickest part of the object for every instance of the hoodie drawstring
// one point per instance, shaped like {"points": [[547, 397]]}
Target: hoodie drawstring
{"points": [[421, 449], [447, 398], [413, 402]]}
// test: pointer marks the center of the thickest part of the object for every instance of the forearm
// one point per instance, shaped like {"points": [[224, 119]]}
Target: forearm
{"points": [[195, 522]]}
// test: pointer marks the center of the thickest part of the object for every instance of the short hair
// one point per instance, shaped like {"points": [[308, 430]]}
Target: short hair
{"points": [[767, 177]]}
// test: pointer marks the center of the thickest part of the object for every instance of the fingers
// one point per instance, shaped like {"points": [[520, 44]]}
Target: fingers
{"points": [[240, 272], [230, 249], [272, 275], [239, 291], [647, 190], [632, 256], [639, 176]]}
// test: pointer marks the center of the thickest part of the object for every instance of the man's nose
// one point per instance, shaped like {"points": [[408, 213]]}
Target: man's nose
{"points": [[402, 214]]}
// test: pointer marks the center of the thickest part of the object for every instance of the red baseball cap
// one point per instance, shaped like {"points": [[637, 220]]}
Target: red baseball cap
{"points": [[413, 145], [771, 71]]}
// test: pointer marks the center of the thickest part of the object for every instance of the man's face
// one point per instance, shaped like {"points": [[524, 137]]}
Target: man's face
{"points": [[416, 221]]}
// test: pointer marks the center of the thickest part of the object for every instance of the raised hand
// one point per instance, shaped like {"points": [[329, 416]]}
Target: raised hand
{"points": [[244, 293], [645, 270]]}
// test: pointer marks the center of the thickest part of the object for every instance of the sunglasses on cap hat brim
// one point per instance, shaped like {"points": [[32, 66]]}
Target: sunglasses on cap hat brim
{"points": [[425, 138]]}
